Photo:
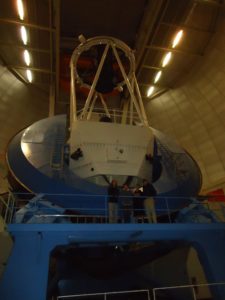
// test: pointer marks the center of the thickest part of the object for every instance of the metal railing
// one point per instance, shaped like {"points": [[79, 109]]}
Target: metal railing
{"points": [[133, 294], [155, 293], [8, 202], [192, 289], [115, 115], [25, 208]]}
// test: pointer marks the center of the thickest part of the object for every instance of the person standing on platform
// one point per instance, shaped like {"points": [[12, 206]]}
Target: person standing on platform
{"points": [[138, 204], [127, 204], [149, 192], [113, 195]]}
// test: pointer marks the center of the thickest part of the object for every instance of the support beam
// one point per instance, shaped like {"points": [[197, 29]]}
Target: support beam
{"points": [[52, 87], [152, 11], [186, 27], [12, 70], [155, 95], [210, 2], [104, 105], [57, 46], [32, 49], [41, 70], [151, 35], [156, 85], [159, 48], [31, 25], [151, 67], [92, 89], [51, 111]]}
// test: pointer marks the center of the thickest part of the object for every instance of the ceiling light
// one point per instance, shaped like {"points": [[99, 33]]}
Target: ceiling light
{"points": [[26, 56], [157, 76], [177, 38], [23, 33], [29, 76], [20, 9], [150, 91], [166, 59]]}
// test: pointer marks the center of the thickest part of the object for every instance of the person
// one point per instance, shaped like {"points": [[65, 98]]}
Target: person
{"points": [[127, 203], [113, 195], [149, 192], [138, 203]]}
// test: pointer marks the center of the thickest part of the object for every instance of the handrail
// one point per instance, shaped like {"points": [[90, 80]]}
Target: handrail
{"points": [[202, 197], [192, 286], [40, 209], [3, 201], [105, 294], [8, 213], [113, 113]]}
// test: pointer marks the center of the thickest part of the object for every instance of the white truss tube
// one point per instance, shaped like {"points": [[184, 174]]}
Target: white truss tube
{"points": [[92, 90], [92, 106], [73, 108], [104, 105], [128, 84], [129, 79], [132, 105]]}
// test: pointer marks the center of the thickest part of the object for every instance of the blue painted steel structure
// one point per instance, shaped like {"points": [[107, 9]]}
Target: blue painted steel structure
{"points": [[181, 176], [38, 160], [27, 270]]}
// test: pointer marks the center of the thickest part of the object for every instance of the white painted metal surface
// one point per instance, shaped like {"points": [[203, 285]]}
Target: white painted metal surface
{"points": [[111, 149]]}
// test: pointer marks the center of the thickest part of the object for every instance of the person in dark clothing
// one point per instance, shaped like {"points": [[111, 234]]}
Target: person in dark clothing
{"points": [[113, 195], [149, 192], [138, 203], [127, 203]]}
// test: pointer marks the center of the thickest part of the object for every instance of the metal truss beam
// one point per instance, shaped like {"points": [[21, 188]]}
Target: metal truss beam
{"points": [[32, 49], [151, 67], [157, 94], [154, 47], [156, 85], [31, 25], [143, 56], [186, 27], [41, 70], [210, 2], [57, 47], [149, 20]]}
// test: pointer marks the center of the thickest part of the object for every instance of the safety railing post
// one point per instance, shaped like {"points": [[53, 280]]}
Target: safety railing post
{"points": [[7, 208], [106, 206], [4, 206], [168, 210], [12, 208], [148, 295], [193, 291], [154, 294], [103, 295]]}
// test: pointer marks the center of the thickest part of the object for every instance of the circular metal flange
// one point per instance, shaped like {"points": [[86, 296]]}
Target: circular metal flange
{"points": [[102, 40]]}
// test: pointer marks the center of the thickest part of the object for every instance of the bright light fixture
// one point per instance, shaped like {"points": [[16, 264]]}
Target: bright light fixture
{"points": [[23, 33], [157, 76], [177, 38], [20, 9], [26, 56], [150, 91], [29, 76], [166, 59]]}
